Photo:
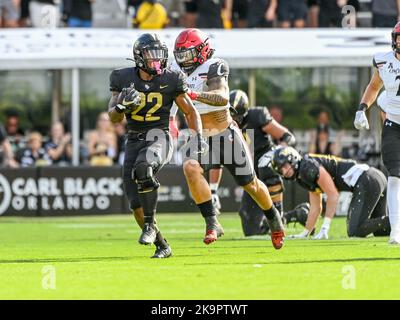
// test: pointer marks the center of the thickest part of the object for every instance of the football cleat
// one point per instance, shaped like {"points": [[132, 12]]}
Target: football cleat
{"points": [[277, 230], [277, 238], [162, 252], [148, 235], [394, 241], [213, 232]]}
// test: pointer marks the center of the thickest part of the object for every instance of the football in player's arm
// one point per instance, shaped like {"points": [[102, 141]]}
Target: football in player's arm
{"points": [[144, 95], [387, 75]]}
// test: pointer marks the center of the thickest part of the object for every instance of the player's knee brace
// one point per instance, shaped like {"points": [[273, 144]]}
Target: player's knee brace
{"points": [[144, 176]]}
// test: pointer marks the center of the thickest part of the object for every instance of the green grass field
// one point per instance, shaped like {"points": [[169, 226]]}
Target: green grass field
{"points": [[99, 258]]}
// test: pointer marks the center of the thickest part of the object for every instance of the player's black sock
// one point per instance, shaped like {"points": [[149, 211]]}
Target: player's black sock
{"points": [[271, 213], [279, 206], [208, 212], [149, 204], [207, 209], [160, 240]]}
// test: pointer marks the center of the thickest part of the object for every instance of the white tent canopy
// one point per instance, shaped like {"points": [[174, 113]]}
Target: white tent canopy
{"points": [[258, 48]]}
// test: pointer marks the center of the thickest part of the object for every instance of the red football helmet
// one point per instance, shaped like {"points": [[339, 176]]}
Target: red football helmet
{"points": [[395, 33], [192, 48]]}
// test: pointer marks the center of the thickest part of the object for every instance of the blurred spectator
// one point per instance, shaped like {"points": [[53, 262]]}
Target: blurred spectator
{"points": [[292, 12], [151, 14], [102, 142], [175, 11], [209, 12], [321, 139], [6, 153], [239, 13], [385, 13], [15, 133], [313, 10], [44, 13], [330, 12], [59, 147], [9, 13], [78, 13], [34, 154], [120, 130], [261, 13], [189, 18], [24, 14]]}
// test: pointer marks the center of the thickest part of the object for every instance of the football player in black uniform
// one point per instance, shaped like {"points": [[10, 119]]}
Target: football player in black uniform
{"points": [[261, 128], [330, 175], [144, 95]]}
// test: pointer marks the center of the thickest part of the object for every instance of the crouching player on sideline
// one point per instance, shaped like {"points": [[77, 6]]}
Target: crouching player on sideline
{"points": [[387, 74], [208, 84], [144, 95], [263, 131], [330, 175]]}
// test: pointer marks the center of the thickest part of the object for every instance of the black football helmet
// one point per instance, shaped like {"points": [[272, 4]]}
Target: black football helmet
{"points": [[239, 105], [283, 155], [150, 53]]}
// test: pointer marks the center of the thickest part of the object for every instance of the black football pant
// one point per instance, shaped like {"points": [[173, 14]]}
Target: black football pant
{"points": [[154, 152], [367, 212]]}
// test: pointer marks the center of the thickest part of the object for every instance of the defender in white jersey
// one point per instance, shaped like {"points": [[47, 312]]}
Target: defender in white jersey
{"points": [[207, 80], [387, 75]]}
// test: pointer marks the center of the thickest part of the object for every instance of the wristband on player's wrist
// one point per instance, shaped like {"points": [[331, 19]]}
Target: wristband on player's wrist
{"points": [[119, 109], [362, 107], [193, 95]]}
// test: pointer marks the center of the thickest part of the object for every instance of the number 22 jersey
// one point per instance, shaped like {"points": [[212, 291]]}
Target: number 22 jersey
{"points": [[157, 96]]}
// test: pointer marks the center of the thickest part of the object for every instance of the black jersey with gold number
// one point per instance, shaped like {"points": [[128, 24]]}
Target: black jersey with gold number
{"points": [[308, 174], [157, 96]]}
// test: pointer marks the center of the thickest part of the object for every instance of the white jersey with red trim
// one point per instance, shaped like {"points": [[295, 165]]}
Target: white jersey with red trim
{"points": [[197, 81], [388, 67]]}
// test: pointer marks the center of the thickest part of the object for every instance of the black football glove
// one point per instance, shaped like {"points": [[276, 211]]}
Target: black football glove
{"points": [[128, 100]]}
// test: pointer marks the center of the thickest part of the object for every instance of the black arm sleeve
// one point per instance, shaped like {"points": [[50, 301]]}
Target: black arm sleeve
{"points": [[218, 69], [114, 81]]}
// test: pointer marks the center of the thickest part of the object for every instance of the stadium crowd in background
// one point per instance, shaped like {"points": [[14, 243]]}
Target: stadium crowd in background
{"points": [[158, 14]]}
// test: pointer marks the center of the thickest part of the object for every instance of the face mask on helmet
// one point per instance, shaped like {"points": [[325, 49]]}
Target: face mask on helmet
{"points": [[284, 157], [192, 48], [154, 60], [186, 59], [150, 54]]}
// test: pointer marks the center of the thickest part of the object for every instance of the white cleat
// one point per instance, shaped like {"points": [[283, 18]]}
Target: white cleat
{"points": [[394, 237], [394, 241]]}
